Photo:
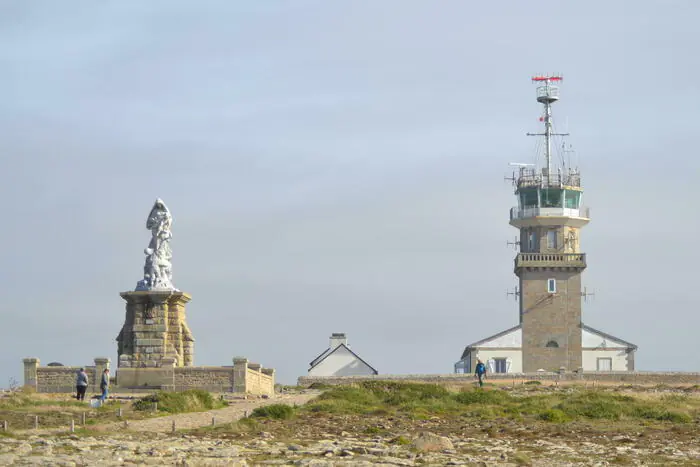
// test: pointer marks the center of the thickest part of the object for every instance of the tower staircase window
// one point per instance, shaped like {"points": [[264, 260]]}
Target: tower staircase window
{"points": [[551, 285]]}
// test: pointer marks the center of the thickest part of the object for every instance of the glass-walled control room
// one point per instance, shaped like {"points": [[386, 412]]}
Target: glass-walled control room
{"points": [[534, 197]]}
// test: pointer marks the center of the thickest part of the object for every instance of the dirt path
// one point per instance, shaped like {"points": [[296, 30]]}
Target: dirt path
{"points": [[235, 411]]}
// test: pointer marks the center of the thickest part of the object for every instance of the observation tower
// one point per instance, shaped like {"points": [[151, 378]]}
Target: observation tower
{"points": [[550, 216]]}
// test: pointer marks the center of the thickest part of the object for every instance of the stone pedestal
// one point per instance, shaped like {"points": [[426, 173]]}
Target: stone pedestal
{"points": [[155, 329]]}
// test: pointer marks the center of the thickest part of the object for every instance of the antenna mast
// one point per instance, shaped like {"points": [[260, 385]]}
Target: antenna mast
{"points": [[547, 94]]}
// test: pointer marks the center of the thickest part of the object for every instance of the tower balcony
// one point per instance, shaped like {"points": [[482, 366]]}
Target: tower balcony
{"points": [[550, 260], [535, 215]]}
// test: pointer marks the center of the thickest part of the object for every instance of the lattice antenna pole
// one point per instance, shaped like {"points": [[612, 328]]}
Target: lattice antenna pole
{"points": [[547, 94]]}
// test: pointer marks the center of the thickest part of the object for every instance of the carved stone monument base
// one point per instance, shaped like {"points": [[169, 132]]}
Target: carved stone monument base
{"points": [[155, 331]]}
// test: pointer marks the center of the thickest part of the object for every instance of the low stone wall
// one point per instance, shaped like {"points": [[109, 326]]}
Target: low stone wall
{"points": [[626, 377], [61, 379], [209, 378], [242, 377]]}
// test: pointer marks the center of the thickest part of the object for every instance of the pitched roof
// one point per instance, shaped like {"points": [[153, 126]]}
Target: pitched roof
{"points": [[328, 352], [483, 341], [608, 336]]}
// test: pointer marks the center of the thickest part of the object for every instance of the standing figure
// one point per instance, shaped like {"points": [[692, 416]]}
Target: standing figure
{"points": [[480, 372], [104, 385], [157, 271], [81, 384]]}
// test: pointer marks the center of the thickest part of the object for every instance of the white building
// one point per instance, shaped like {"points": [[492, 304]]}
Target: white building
{"points": [[339, 360], [502, 353]]}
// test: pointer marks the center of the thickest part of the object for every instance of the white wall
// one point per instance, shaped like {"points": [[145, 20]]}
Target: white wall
{"points": [[619, 359], [341, 363], [516, 356], [512, 339], [589, 339]]}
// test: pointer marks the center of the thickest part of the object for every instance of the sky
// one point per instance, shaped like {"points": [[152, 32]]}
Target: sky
{"points": [[338, 167]]}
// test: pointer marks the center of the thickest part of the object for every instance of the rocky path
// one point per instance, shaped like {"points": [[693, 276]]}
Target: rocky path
{"points": [[235, 411]]}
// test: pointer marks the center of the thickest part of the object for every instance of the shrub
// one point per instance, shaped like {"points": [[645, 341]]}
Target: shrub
{"points": [[275, 411], [533, 382], [192, 400], [553, 415]]}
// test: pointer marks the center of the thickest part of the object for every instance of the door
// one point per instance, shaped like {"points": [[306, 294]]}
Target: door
{"points": [[605, 364]]}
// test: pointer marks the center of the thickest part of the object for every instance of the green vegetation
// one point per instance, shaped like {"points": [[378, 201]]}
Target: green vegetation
{"points": [[193, 400], [424, 400], [274, 411]]}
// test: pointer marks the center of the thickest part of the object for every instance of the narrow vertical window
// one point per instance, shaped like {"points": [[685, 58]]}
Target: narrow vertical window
{"points": [[552, 285], [531, 241], [551, 239]]}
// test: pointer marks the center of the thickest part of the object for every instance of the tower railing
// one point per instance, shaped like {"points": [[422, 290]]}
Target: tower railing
{"points": [[575, 260], [531, 178], [582, 212]]}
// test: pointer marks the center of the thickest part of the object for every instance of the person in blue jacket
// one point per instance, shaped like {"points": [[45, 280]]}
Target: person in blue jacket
{"points": [[480, 372], [104, 385]]}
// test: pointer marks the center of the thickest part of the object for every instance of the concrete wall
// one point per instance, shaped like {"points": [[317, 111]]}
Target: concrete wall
{"points": [[341, 362], [242, 377], [618, 359], [626, 377]]}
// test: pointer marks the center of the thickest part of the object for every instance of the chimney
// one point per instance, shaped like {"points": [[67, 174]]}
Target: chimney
{"points": [[338, 338]]}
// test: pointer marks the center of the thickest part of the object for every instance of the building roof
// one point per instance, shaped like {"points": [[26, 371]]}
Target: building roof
{"points": [[328, 352], [609, 336], [483, 341], [515, 328]]}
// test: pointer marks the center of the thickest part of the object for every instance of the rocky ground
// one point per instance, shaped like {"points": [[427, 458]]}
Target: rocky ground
{"points": [[422, 444], [327, 439]]}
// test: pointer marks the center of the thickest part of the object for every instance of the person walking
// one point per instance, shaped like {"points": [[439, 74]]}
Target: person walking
{"points": [[104, 385], [480, 372], [81, 384]]}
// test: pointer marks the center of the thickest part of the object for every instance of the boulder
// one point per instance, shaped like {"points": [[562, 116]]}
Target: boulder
{"points": [[430, 442]]}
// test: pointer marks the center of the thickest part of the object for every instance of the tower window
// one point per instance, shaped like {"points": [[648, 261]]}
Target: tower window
{"points": [[553, 344], [531, 241], [551, 239], [551, 285]]}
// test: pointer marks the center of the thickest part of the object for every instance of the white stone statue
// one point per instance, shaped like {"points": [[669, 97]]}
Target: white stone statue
{"points": [[157, 272]]}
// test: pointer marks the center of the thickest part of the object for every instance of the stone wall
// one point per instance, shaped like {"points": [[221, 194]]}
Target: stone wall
{"points": [[209, 378], [622, 377], [242, 377], [61, 379]]}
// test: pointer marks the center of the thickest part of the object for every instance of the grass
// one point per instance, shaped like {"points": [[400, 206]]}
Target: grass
{"points": [[424, 400], [58, 410], [193, 400], [274, 411]]}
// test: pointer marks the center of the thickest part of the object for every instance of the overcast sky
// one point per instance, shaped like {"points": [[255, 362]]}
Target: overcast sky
{"points": [[338, 167]]}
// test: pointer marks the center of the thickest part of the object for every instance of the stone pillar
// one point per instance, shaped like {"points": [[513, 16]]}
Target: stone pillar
{"points": [[30, 372], [168, 365], [240, 374], [155, 328], [101, 364], [271, 373]]}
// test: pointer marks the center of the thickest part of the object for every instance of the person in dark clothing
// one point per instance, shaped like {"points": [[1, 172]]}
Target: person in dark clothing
{"points": [[104, 385], [480, 372], [81, 384]]}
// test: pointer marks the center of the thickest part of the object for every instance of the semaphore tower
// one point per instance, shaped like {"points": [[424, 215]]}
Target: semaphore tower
{"points": [[550, 335], [549, 264]]}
